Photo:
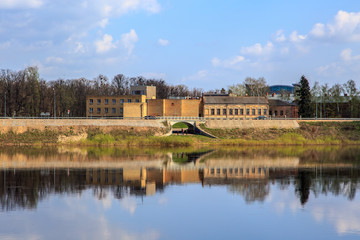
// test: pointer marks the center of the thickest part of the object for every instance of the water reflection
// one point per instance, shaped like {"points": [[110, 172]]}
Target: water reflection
{"points": [[27, 178], [110, 193]]}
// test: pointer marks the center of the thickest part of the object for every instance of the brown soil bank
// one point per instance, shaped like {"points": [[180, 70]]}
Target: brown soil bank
{"points": [[309, 133]]}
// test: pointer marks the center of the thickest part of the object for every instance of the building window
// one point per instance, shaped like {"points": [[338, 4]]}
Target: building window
{"points": [[114, 101], [121, 101], [98, 110], [247, 111], [252, 111], [129, 100], [91, 110], [121, 110], [241, 111], [236, 111], [259, 111], [106, 110], [217, 111], [212, 111], [281, 112], [106, 101], [114, 110], [99, 101], [275, 113], [230, 112], [137, 100], [224, 111], [265, 111], [91, 101]]}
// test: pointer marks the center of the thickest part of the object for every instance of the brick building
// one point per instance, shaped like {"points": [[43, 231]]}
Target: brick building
{"points": [[174, 107], [225, 106], [282, 109], [116, 106]]}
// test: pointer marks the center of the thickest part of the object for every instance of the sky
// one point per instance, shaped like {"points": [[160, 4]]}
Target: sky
{"points": [[203, 44]]}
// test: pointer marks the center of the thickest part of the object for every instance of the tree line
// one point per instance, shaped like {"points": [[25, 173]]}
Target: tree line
{"points": [[24, 94]]}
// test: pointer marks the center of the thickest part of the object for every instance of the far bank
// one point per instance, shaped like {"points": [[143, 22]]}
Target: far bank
{"points": [[153, 132]]}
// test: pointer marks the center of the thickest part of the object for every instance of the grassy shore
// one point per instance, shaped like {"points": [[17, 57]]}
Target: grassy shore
{"points": [[309, 133]]}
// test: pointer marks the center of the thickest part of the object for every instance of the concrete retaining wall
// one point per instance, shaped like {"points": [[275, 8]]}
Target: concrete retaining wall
{"points": [[22, 125], [252, 124]]}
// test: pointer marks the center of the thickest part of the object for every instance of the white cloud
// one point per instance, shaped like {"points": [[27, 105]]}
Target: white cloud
{"points": [[318, 30], [258, 49], [295, 37], [280, 36], [120, 7], [154, 75], [199, 75], [54, 60], [9, 4], [79, 47], [103, 22], [345, 27], [163, 42], [128, 40], [346, 55], [105, 44], [228, 63]]}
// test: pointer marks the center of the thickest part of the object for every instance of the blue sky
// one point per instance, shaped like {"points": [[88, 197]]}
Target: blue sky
{"points": [[204, 44]]}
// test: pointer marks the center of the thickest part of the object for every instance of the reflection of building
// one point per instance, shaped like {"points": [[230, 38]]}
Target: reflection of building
{"points": [[236, 172]]}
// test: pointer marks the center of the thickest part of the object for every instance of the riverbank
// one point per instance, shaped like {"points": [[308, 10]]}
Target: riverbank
{"points": [[309, 133]]}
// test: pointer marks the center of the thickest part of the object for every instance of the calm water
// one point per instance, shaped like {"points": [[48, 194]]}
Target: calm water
{"points": [[243, 193]]}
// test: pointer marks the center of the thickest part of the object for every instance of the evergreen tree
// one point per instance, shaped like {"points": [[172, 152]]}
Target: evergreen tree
{"points": [[303, 92]]}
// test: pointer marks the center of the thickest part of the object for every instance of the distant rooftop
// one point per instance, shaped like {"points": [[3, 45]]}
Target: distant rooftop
{"points": [[234, 100], [281, 88]]}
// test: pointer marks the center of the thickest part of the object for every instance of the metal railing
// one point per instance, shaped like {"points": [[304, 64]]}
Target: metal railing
{"points": [[183, 118]]}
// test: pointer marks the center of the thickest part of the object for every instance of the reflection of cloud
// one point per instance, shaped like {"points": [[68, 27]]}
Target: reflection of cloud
{"points": [[162, 200], [73, 217], [345, 218], [106, 201], [129, 203]]}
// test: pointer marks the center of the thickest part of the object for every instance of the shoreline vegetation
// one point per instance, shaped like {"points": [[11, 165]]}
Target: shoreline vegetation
{"points": [[309, 133]]}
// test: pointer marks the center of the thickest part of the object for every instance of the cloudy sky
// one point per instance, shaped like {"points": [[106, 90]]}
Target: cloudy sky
{"points": [[205, 44]]}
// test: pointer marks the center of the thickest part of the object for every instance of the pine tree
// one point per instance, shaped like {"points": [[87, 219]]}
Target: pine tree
{"points": [[305, 108]]}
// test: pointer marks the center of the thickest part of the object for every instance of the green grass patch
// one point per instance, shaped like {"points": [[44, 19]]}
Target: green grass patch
{"points": [[180, 125]]}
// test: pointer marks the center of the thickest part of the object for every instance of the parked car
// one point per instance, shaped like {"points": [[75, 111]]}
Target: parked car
{"points": [[261, 118], [150, 117]]}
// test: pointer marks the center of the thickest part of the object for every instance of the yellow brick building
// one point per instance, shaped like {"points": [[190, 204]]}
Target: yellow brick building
{"points": [[224, 106], [116, 106], [174, 107]]}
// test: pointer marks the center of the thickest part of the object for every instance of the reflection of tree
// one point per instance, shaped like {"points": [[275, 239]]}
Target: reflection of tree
{"points": [[24, 188], [302, 185], [251, 190]]}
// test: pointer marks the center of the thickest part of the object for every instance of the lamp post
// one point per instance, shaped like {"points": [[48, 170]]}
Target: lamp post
{"points": [[5, 106], [54, 104]]}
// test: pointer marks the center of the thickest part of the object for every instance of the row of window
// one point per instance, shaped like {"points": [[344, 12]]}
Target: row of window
{"points": [[91, 101], [106, 110], [238, 111], [281, 113], [236, 171]]}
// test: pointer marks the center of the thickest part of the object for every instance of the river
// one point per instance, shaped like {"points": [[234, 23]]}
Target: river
{"points": [[225, 193]]}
